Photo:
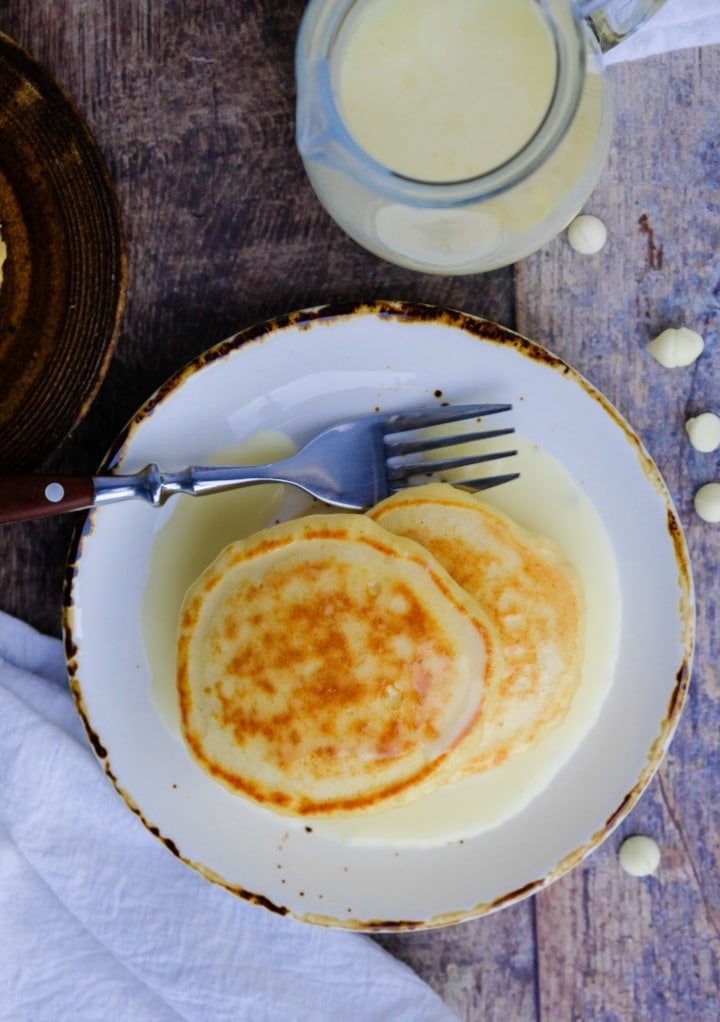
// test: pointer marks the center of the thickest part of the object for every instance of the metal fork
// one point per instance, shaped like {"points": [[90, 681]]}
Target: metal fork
{"points": [[353, 465]]}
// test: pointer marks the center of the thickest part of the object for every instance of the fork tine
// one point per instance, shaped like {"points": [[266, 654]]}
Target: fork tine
{"points": [[398, 445], [486, 483], [398, 469], [401, 421], [489, 481]]}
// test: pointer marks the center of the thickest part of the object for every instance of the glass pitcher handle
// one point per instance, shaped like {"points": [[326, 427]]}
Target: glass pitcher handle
{"points": [[613, 20]]}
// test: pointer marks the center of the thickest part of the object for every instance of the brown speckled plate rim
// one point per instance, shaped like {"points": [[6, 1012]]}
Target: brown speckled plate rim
{"points": [[486, 331]]}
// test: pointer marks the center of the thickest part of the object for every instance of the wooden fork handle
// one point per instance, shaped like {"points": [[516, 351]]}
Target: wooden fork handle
{"points": [[23, 497]]}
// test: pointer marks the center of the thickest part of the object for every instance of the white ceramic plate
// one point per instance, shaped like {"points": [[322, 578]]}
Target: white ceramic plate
{"points": [[299, 374]]}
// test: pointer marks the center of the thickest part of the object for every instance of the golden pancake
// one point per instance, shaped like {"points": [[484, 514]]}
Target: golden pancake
{"points": [[329, 667], [531, 594]]}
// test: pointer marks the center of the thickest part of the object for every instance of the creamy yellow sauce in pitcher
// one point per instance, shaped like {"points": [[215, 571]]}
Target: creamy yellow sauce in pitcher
{"points": [[440, 93], [444, 91]]}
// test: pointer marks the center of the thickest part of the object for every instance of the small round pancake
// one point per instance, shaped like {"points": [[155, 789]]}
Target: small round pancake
{"points": [[529, 590], [329, 667]]}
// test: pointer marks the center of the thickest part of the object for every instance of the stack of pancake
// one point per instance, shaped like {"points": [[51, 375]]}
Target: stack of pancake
{"points": [[341, 664]]}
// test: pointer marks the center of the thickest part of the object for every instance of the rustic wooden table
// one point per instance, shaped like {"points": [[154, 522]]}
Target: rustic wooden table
{"points": [[191, 102]]}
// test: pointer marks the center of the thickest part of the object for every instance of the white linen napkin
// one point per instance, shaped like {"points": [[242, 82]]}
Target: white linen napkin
{"points": [[677, 25], [99, 922]]}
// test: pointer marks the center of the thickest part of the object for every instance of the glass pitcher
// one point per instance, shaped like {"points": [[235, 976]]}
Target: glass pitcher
{"points": [[456, 136]]}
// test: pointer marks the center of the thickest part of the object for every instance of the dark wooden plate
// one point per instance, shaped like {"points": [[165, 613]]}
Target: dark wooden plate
{"points": [[64, 276]]}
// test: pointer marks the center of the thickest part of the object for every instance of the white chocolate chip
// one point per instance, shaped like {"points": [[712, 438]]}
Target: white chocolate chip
{"points": [[586, 234], [639, 856], [707, 502], [704, 431], [673, 348]]}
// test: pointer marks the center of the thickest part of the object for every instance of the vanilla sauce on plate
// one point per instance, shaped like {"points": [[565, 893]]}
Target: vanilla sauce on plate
{"points": [[546, 499]]}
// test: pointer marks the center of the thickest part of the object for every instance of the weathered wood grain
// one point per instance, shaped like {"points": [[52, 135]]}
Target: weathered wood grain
{"points": [[485, 969], [192, 104]]}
